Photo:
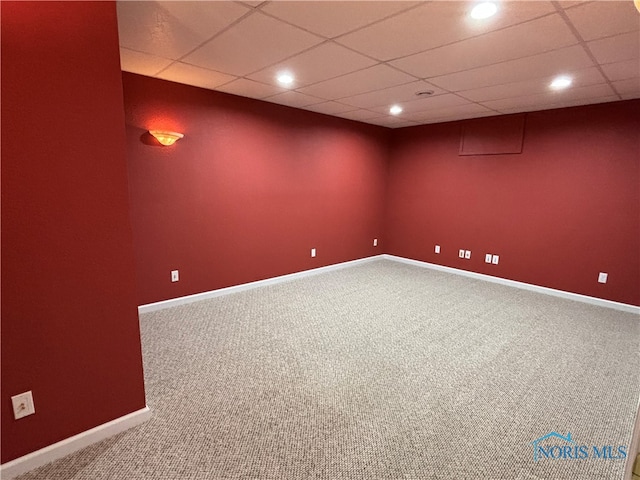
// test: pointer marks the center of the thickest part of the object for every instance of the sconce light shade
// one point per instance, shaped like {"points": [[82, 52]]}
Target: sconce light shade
{"points": [[166, 138]]}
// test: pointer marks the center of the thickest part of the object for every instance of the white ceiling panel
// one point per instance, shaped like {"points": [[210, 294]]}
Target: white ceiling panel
{"points": [[466, 110], [537, 36], [330, 19], [629, 86], [427, 26], [196, 76], [142, 63], [354, 59], [249, 88], [294, 99], [312, 66], [551, 98], [616, 49], [392, 122], [542, 65], [261, 40], [372, 78], [173, 29], [532, 106], [588, 76], [615, 17], [360, 115], [622, 70], [388, 96], [330, 108], [447, 100]]}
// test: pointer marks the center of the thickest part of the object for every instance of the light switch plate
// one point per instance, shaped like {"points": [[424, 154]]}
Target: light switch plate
{"points": [[23, 405], [175, 276], [602, 277], [495, 259], [487, 258], [467, 254], [437, 249], [461, 253], [313, 252]]}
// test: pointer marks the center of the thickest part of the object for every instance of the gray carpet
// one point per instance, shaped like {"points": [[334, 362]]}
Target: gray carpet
{"points": [[378, 371]]}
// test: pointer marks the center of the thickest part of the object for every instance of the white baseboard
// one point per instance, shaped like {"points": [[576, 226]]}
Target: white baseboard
{"points": [[72, 444], [524, 286], [634, 448], [174, 302]]}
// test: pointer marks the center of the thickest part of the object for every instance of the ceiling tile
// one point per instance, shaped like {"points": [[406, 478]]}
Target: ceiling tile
{"points": [[603, 19], [172, 29], [467, 110], [629, 96], [551, 99], [249, 88], [312, 66], [630, 86], [571, 3], [434, 24], [622, 70], [457, 117], [190, 75], [141, 63], [293, 99], [542, 65], [322, 17], [369, 79], [330, 108], [359, 115], [588, 76], [252, 44], [441, 20], [389, 121], [447, 100], [537, 36], [388, 96], [533, 107], [506, 61], [616, 49]]}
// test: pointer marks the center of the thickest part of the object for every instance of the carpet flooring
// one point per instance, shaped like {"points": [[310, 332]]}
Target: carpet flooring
{"points": [[377, 371]]}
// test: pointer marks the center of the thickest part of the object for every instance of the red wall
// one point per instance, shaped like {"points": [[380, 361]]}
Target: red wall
{"points": [[248, 192], [565, 209], [69, 322]]}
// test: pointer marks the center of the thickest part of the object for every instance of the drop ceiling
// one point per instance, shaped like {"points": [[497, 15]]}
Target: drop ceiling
{"points": [[355, 59]]}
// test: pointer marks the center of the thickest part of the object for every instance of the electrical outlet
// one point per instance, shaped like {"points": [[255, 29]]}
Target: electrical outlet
{"points": [[23, 405], [467, 254], [175, 276], [461, 253], [313, 252], [495, 259], [375, 242], [602, 277], [487, 258], [437, 249]]}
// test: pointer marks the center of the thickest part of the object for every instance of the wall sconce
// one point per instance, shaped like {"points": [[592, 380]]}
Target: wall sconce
{"points": [[166, 138]]}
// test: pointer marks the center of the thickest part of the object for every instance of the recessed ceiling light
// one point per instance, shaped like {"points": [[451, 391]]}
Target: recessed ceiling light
{"points": [[560, 82], [395, 110], [484, 10], [285, 79]]}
